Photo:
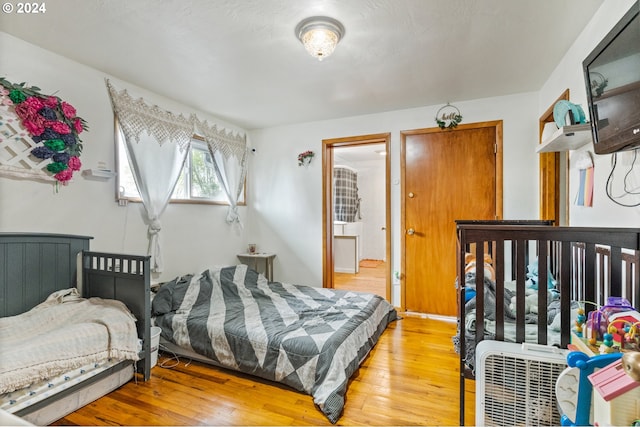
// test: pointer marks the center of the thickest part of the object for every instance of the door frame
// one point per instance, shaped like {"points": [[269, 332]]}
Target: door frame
{"points": [[550, 177], [327, 202], [497, 124]]}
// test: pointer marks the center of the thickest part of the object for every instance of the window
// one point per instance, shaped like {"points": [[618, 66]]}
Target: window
{"points": [[198, 182]]}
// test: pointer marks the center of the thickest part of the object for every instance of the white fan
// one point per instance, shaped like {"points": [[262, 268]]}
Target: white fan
{"points": [[515, 383]]}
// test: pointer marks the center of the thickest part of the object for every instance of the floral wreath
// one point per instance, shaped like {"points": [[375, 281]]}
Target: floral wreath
{"points": [[453, 118], [305, 157], [50, 121]]}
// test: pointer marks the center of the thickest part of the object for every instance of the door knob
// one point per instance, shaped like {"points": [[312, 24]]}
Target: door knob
{"points": [[411, 232], [411, 195]]}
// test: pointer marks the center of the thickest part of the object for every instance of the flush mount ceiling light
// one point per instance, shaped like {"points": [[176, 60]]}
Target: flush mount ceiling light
{"points": [[319, 35]]}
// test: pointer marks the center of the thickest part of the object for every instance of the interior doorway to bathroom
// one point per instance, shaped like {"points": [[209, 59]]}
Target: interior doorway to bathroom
{"points": [[356, 214]]}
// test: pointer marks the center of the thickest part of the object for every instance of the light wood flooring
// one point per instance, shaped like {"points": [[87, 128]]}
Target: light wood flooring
{"points": [[369, 278], [409, 378]]}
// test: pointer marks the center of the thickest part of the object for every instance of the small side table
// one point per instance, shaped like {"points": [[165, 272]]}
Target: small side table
{"points": [[265, 260]]}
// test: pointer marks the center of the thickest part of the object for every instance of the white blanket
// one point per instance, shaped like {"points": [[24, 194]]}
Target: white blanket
{"points": [[63, 333]]}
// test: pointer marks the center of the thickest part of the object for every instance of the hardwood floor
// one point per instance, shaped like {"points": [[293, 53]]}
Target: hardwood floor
{"points": [[370, 278], [409, 378]]}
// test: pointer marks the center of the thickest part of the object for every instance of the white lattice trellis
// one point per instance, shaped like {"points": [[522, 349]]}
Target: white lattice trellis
{"points": [[15, 149]]}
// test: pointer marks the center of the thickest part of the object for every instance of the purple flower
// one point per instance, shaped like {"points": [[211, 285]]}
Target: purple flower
{"points": [[48, 113], [42, 152], [50, 134], [69, 139], [61, 157]]}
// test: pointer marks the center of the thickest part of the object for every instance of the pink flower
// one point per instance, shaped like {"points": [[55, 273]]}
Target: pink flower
{"points": [[34, 103], [24, 112], [77, 124], [75, 163], [3, 91], [59, 127], [6, 101], [33, 127], [64, 176], [50, 101], [68, 110]]}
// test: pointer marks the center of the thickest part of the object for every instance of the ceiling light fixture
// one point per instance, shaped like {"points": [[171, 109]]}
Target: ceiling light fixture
{"points": [[319, 35]]}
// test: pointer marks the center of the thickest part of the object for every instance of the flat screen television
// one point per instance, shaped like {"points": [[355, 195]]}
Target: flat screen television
{"points": [[612, 77]]}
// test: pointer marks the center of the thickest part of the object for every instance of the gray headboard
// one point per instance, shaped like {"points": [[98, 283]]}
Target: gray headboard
{"points": [[33, 265]]}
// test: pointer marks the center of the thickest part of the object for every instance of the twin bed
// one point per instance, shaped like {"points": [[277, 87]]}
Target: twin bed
{"points": [[74, 324], [541, 276]]}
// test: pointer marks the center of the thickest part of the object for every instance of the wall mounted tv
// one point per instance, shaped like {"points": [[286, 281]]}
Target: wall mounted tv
{"points": [[612, 77]]}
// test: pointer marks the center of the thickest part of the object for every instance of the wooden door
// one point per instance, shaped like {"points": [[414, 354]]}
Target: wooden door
{"points": [[448, 175]]}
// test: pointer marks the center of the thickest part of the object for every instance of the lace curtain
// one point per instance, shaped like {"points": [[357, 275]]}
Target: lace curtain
{"points": [[229, 153], [157, 144]]}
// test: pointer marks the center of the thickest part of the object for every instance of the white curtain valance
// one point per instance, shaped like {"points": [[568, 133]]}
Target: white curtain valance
{"points": [[228, 143], [136, 117]]}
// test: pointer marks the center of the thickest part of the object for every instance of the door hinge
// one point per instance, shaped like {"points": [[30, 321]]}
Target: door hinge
{"points": [[495, 148]]}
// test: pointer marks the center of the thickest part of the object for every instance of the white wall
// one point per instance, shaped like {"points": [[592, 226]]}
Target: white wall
{"points": [[371, 188], [569, 74], [286, 200], [284, 212], [193, 236]]}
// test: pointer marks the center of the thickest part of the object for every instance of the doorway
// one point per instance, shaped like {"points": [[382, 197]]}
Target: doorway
{"points": [[554, 170], [446, 176], [358, 238]]}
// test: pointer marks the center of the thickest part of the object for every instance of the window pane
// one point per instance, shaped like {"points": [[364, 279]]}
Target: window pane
{"points": [[204, 183], [198, 180]]}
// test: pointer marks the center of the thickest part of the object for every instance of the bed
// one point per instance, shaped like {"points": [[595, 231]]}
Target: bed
{"points": [[308, 338], [577, 265], [41, 273]]}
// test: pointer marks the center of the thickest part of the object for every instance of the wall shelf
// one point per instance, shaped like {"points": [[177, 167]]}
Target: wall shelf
{"points": [[98, 174], [570, 137]]}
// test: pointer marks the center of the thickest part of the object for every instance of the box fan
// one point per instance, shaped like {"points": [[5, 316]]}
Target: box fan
{"points": [[516, 383]]}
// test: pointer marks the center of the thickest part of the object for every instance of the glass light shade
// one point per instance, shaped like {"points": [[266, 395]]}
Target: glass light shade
{"points": [[320, 42], [319, 35]]}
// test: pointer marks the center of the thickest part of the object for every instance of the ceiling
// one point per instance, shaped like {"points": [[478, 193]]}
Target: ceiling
{"points": [[240, 61]]}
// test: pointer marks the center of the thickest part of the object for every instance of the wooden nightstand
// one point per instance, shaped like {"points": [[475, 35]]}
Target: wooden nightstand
{"points": [[261, 262]]}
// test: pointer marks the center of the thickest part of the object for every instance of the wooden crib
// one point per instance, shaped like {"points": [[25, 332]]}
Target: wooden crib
{"points": [[585, 264]]}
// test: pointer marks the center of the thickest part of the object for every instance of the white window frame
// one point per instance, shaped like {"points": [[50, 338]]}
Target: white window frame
{"points": [[127, 192]]}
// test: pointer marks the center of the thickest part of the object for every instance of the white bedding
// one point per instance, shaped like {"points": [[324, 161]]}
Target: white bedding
{"points": [[61, 334]]}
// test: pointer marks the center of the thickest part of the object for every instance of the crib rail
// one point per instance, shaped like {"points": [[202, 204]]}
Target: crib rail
{"points": [[587, 264], [126, 278]]}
